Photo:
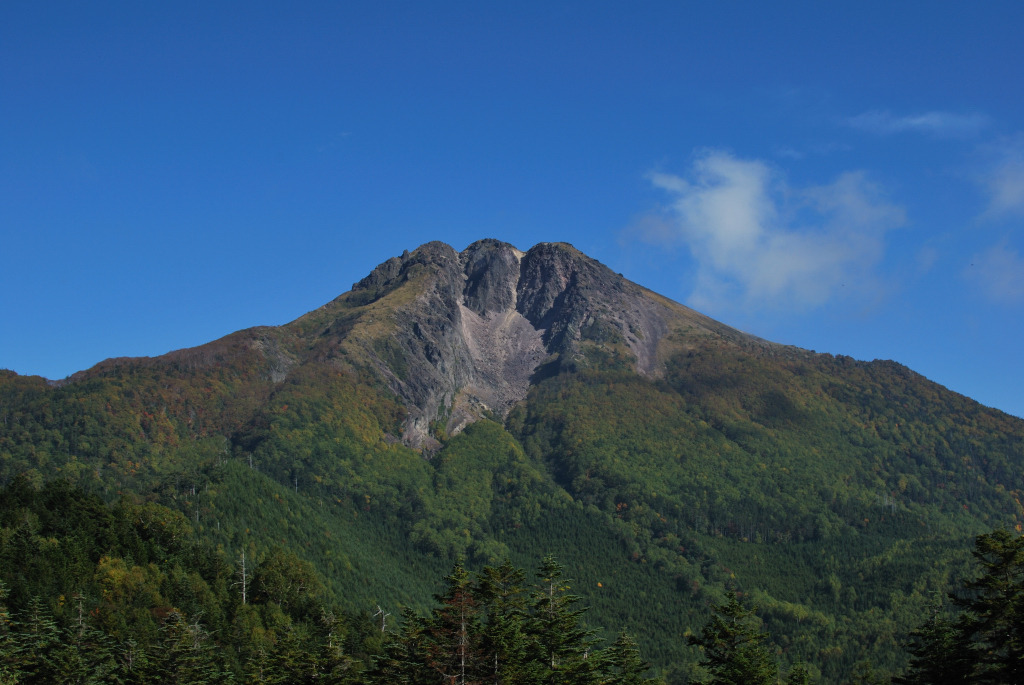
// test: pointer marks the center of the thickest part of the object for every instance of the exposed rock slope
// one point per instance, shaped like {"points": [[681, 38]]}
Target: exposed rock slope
{"points": [[456, 335]]}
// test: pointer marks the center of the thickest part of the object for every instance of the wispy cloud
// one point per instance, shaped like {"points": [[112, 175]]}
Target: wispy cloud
{"points": [[942, 124], [1003, 177], [999, 273], [758, 241], [817, 149]]}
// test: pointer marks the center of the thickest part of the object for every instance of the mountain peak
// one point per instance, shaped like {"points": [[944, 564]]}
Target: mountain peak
{"points": [[458, 334]]}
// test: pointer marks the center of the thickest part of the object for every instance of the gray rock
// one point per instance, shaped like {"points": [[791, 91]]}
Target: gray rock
{"points": [[469, 331]]}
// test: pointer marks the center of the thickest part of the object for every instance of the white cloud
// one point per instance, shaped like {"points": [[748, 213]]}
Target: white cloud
{"points": [[999, 272], [1003, 179], [759, 242], [653, 229], [927, 257], [787, 152], [816, 149], [943, 124]]}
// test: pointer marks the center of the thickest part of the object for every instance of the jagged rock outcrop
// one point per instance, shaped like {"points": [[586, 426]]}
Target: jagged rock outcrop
{"points": [[467, 332]]}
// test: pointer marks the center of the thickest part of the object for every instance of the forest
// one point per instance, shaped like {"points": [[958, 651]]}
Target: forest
{"points": [[840, 498], [127, 593]]}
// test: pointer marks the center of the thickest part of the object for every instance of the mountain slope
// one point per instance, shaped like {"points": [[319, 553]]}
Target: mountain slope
{"points": [[495, 403], [460, 334]]}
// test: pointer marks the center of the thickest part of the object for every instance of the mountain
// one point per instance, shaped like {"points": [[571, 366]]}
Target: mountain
{"points": [[495, 403], [456, 335]]}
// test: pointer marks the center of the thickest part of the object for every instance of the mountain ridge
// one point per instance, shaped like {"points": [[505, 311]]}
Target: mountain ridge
{"points": [[468, 331]]}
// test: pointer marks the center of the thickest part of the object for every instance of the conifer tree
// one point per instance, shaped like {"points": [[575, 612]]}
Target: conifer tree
{"points": [[9, 649], [623, 663], [336, 666], [453, 631], [294, 658], [984, 643], [995, 601], [37, 639], [258, 669], [564, 647], [404, 659], [733, 645], [799, 674], [85, 654], [186, 654], [939, 654], [506, 644], [132, 661], [495, 632]]}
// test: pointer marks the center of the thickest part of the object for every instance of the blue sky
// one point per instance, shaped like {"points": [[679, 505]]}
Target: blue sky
{"points": [[845, 177]]}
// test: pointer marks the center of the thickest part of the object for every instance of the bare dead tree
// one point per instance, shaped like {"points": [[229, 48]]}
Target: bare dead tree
{"points": [[243, 577], [383, 618]]}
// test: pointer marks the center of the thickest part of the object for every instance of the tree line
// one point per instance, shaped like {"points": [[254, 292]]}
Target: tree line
{"points": [[497, 627], [977, 638], [127, 593]]}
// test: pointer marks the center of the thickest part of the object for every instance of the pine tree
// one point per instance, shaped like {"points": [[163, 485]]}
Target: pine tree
{"points": [[9, 648], [186, 654], [939, 654], [623, 663], [405, 653], [37, 639], [336, 665], [453, 631], [984, 643], [258, 667], [995, 601], [85, 654], [563, 646], [506, 644], [495, 632], [733, 645], [294, 658], [132, 662], [799, 674]]}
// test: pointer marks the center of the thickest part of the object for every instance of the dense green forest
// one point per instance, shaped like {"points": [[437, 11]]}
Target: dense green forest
{"points": [[128, 593]]}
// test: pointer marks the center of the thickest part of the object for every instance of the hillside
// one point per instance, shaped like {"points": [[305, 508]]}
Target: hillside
{"points": [[497, 403]]}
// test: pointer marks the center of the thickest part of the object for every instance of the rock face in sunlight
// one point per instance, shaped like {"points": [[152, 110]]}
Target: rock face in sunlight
{"points": [[470, 330]]}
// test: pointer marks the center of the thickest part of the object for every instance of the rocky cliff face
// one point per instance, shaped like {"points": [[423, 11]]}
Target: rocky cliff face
{"points": [[471, 330]]}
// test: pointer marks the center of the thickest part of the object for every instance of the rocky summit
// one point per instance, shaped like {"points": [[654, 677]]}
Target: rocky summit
{"points": [[469, 331]]}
